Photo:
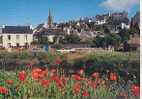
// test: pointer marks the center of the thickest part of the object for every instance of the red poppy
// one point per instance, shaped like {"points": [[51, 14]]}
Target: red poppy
{"points": [[45, 83], [60, 84], [3, 90], [80, 72], [85, 94], [58, 61], [53, 70], [76, 88], [135, 90], [76, 77], [60, 81], [113, 76], [22, 76], [38, 73], [9, 81], [54, 78], [95, 75]]}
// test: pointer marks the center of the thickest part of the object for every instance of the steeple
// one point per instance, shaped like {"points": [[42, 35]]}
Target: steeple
{"points": [[50, 21]]}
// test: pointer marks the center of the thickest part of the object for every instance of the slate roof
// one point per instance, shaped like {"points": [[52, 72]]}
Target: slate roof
{"points": [[16, 29], [49, 32]]}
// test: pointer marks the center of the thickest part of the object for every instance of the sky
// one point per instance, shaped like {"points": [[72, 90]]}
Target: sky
{"points": [[34, 12]]}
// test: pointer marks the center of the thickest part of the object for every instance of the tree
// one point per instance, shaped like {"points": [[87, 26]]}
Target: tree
{"points": [[73, 38], [106, 30], [98, 42], [124, 34], [112, 39], [109, 39]]}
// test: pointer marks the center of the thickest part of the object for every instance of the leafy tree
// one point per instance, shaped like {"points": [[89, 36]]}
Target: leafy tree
{"points": [[98, 42], [124, 34], [135, 29], [106, 30], [72, 38], [112, 39]]}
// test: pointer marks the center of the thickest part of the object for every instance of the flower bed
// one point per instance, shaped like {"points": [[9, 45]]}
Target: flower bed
{"points": [[53, 84], [114, 76]]}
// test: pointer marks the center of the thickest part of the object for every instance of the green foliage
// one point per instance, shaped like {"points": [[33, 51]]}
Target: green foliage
{"points": [[98, 42], [112, 39], [124, 34], [69, 39], [100, 61], [109, 39], [33, 89], [115, 61], [43, 40], [58, 46]]}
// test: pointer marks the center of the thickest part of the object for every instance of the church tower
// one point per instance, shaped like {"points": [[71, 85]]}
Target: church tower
{"points": [[50, 20], [49, 23]]}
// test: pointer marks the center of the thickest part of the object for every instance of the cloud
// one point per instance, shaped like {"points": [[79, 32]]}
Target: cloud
{"points": [[119, 4]]}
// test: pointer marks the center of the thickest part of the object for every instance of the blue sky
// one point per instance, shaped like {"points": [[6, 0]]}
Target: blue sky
{"points": [[23, 12]]}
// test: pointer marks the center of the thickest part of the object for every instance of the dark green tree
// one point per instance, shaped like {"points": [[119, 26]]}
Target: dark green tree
{"points": [[112, 39], [124, 34], [98, 42]]}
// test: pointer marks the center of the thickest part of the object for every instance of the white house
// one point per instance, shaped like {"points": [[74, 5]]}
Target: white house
{"points": [[16, 36], [125, 26], [100, 22]]}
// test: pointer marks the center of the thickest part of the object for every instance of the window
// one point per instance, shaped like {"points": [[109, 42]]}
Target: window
{"points": [[17, 44], [9, 37], [17, 37], [26, 37]]}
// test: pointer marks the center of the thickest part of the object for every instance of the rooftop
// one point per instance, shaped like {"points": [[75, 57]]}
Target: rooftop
{"points": [[16, 29]]}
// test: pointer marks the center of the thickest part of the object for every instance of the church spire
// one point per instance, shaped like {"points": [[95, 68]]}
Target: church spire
{"points": [[50, 21]]}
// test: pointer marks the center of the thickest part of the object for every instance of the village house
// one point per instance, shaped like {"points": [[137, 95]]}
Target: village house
{"points": [[16, 36]]}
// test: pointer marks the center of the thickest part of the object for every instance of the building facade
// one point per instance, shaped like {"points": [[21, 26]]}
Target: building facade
{"points": [[16, 36]]}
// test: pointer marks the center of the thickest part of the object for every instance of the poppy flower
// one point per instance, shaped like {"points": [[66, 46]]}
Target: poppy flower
{"points": [[38, 73], [113, 76], [95, 75], [3, 90], [85, 94], [45, 83], [135, 90], [76, 77], [76, 88], [53, 70], [60, 84], [58, 61], [54, 78], [9, 81], [80, 72], [22, 76]]}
